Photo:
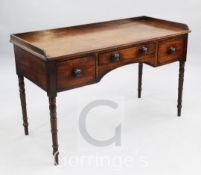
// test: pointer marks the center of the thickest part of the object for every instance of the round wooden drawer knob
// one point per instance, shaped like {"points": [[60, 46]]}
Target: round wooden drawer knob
{"points": [[144, 50], [77, 72], [171, 50], [115, 57]]}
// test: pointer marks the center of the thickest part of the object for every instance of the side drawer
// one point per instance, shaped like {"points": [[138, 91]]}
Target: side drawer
{"points": [[76, 72], [171, 50]]}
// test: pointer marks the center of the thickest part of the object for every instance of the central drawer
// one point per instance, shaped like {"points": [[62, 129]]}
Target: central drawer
{"points": [[136, 53], [75, 73]]}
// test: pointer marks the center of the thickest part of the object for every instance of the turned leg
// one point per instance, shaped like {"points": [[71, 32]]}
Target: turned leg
{"points": [[180, 88], [53, 121], [23, 103], [140, 69]]}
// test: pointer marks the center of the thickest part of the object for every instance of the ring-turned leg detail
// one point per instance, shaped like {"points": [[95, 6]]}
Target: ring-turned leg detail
{"points": [[53, 121], [140, 69], [23, 103], [180, 88]]}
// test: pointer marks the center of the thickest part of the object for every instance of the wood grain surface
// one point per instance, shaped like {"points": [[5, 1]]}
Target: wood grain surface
{"points": [[93, 37]]}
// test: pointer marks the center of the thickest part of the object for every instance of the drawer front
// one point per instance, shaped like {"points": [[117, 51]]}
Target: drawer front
{"points": [[123, 55], [171, 50], [76, 72]]}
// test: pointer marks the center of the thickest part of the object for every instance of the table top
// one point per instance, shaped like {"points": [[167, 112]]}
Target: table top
{"points": [[83, 39]]}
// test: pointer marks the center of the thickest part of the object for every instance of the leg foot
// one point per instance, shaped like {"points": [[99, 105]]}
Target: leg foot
{"points": [[53, 121], [140, 69], [23, 103], [180, 88]]}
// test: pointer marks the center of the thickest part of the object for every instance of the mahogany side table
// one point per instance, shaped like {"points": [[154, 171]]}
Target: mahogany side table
{"points": [[65, 58]]}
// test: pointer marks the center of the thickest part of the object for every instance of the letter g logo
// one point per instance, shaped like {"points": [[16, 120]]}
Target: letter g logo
{"points": [[82, 124]]}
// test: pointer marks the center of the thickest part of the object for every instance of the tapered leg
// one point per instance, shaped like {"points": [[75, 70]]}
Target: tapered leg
{"points": [[180, 88], [53, 121], [23, 103], [140, 69]]}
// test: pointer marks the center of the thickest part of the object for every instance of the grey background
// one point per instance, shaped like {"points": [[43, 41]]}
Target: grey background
{"points": [[27, 15]]}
